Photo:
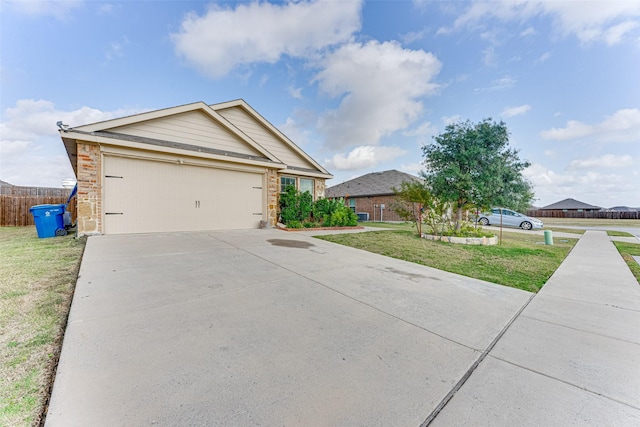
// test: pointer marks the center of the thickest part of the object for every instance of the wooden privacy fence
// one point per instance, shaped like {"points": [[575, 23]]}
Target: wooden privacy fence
{"points": [[16, 201], [584, 214]]}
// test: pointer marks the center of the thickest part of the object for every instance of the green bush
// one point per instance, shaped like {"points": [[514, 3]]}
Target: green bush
{"points": [[343, 217], [295, 206], [297, 210]]}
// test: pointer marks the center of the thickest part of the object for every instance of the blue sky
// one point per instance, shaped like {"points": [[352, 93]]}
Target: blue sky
{"points": [[360, 86]]}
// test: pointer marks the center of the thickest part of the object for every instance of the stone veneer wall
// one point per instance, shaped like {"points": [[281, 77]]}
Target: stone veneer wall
{"points": [[89, 189], [273, 192], [319, 188]]}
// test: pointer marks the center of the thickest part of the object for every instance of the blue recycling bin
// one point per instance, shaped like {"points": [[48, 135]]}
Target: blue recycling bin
{"points": [[49, 220]]}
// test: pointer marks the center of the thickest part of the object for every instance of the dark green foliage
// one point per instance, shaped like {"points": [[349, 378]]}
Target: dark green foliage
{"points": [[471, 166], [297, 210], [295, 206], [343, 217], [323, 209]]}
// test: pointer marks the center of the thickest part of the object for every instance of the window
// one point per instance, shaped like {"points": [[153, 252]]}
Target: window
{"points": [[286, 181], [352, 204], [306, 185]]}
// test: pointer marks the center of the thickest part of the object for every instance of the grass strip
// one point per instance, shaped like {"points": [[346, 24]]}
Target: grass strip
{"points": [[520, 262], [37, 280], [628, 251]]}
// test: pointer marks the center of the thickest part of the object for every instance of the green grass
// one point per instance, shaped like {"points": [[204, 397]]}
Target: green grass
{"points": [[37, 279], [589, 222], [628, 250], [613, 233], [520, 262], [565, 230]]}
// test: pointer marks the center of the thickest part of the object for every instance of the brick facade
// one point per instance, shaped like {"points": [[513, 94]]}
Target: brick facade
{"points": [[89, 189], [368, 204]]}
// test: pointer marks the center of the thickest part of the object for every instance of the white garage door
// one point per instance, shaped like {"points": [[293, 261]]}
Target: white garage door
{"points": [[142, 196]]}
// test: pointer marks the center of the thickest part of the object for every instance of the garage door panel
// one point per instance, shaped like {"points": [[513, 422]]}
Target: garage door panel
{"points": [[158, 196]]}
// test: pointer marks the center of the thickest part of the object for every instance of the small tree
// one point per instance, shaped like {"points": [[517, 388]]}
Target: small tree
{"points": [[471, 166], [413, 198]]}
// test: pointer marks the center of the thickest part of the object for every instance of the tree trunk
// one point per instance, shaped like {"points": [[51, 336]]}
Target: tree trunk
{"points": [[459, 217]]}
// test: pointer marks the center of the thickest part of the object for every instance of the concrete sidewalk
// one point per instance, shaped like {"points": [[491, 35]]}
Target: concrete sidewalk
{"points": [[264, 327], [571, 358]]}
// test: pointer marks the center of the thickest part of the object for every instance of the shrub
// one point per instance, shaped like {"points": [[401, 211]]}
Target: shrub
{"points": [[295, 206], [343, 217], [294, 224]]}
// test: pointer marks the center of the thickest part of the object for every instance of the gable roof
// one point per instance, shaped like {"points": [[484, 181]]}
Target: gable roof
{"points": [[569, 204], [5, 183], [281, 137], [371, 184], [133, 131]]}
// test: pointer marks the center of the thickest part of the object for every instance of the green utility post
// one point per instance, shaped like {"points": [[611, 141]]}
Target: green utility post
{"points": [[548, 237]]}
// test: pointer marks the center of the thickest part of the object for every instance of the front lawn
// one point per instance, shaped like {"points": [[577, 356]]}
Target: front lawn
{"points": [[37, 279], [520, 262], [628, 251]]}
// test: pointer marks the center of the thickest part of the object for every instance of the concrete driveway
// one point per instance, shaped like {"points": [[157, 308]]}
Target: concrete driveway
{"points": [[263, 327]]}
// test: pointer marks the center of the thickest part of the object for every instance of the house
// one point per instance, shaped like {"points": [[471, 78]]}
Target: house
{"points": [[372, 194], [568, 205], [185, 168]]}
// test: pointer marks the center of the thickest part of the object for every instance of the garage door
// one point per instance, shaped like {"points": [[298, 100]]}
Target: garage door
{"points": [[143, 196]]}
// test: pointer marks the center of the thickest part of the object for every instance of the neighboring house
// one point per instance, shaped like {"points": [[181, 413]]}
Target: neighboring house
{"points": [[191, 167], [571, 205], [621, 209], [372, 193]]}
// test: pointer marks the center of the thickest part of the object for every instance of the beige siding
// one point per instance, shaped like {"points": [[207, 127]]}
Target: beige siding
{"points": [[264, 137], [142, 196], [194, 128]]}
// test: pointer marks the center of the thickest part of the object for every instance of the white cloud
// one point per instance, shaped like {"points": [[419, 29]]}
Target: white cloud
{"points": [[516, 111], [528, 32], [295, 92], [544, 57], [380, 84], [621, 126], [422, 133], [31, 152], [413, 36], [504, 82], [608, 161], [365, 156], [449, 120], [593, 187], [225, 38], [615, 34], [59, 9], [589, 21], [412, 168]]}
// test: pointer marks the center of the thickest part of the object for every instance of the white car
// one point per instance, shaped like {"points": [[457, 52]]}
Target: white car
{"points": [[509, 219]]}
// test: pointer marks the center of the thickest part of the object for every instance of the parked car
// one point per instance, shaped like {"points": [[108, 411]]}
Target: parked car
{"points": [[509, 219]]}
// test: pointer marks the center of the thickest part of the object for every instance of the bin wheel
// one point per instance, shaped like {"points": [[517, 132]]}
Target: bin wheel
{"points": [[61, 232]]}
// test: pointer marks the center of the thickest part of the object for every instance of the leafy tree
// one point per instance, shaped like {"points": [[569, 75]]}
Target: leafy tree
{"points": [[472, 166], [413, 198]]}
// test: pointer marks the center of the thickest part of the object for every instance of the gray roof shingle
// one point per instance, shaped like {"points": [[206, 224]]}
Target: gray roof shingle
{"points": [[371, 184], [569, 204]]}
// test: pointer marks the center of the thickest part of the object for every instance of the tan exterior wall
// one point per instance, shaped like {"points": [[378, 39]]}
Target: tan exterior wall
{"points": [[247, 124], [193, 128], [89, 189]]}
